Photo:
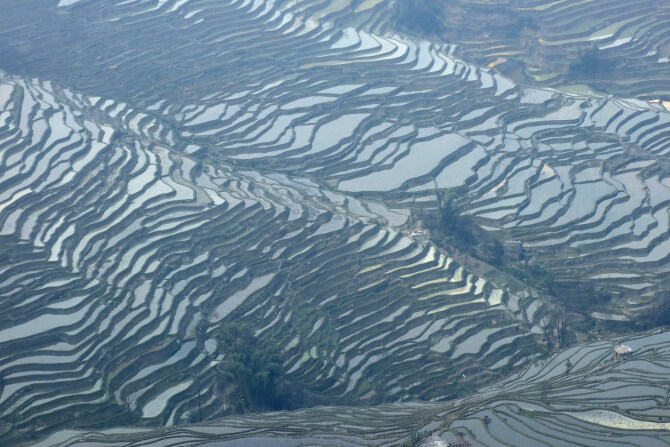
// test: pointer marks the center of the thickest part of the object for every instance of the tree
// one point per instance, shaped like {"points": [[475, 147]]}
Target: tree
{"points": [[449, 214], [255, 368], [657, 314], [422, 16], [561, 326], [589, 64], [493, 252], [545, 388], [460, 228]]}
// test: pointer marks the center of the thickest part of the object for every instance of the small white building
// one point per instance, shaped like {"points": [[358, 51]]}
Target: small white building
{"points": [[621, 351]]}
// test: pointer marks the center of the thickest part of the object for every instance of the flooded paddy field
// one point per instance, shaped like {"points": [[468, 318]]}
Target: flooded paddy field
{"points": [[176, 165], [580, 396], [126, 259], [329, 92]]}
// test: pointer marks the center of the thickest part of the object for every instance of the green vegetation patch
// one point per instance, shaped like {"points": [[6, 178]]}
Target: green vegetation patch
{"points": [[251, 372]]}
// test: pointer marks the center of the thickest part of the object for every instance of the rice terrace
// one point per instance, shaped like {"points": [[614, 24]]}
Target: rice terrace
{"points": [[335, 223]]}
